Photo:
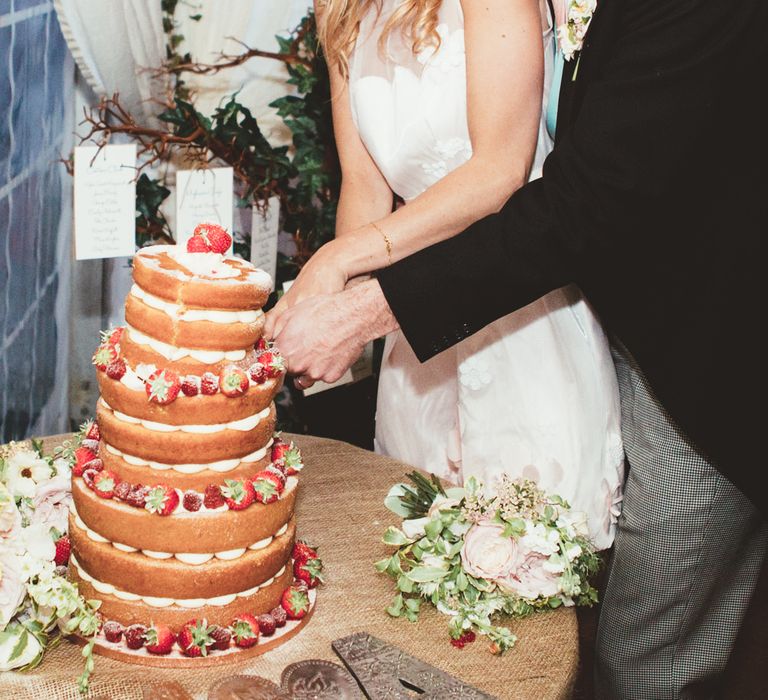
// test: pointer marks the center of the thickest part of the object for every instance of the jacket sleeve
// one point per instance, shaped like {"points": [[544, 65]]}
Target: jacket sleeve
{"points": [[625, 171]]}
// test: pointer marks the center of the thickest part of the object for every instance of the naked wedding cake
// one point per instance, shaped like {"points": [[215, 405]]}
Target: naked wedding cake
{"points": [[182, 522]]}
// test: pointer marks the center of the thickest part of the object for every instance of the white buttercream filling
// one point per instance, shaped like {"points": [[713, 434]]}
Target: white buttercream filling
{"points": [[156, 602], [182, 313], [173, 353], [192, 558], [224, 465], [243, 425]]}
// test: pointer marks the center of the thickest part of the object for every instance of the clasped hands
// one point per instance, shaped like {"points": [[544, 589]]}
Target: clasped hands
{"points": [[322, 323]]}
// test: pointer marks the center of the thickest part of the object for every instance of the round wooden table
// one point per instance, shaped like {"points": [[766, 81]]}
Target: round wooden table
{"points": [[341, 509]]}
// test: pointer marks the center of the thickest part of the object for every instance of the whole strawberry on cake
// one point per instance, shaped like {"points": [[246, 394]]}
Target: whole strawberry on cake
{"points": [[182, 522]]}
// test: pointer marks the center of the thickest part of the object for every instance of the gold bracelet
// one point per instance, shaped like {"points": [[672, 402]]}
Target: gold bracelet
{"points": [[386, 241]]}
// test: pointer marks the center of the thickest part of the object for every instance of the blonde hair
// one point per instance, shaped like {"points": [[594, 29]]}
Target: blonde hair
{"points": [[338, 24]]}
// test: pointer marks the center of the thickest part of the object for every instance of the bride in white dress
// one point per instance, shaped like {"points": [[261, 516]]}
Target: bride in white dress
{"points": [[440, 102]]}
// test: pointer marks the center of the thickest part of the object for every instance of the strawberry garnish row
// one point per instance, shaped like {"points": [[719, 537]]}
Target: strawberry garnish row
{"points": [[197, 638]]}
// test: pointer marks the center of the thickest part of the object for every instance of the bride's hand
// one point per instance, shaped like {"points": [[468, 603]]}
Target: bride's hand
{"points": [[321, 274]]}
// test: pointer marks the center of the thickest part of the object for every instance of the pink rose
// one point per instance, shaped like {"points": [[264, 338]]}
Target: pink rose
{"points": [[51, 502], [486, 554], [529, 578]]}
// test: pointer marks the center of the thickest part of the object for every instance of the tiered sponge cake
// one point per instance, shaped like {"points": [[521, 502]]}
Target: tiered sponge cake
{"points": [[183, 515]]}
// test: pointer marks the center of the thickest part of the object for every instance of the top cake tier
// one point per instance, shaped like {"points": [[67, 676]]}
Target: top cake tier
{"points": [[203, 280], [205, 304]]}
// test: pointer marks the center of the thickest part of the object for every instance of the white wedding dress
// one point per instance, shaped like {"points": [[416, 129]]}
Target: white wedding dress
{"points": [[533, 394]]}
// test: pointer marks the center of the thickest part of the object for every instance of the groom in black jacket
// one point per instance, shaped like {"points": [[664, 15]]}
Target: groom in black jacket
{"points": [[655, 202]]}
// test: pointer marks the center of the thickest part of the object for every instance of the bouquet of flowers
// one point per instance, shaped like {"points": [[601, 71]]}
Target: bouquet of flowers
{"points": [[37, 602], [474, 556]]}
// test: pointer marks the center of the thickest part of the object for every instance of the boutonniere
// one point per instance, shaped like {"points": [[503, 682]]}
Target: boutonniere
{"points": [[571, 33]]}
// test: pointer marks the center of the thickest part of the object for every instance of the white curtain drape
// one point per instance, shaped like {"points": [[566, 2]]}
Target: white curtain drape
{"points": [[116, 44]]}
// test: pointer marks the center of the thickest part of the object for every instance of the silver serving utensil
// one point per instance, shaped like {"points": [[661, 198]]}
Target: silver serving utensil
{"points": [[385, 672]]}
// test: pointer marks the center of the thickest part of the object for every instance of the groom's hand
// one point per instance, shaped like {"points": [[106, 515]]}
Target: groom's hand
{"points": [[321, 337]]}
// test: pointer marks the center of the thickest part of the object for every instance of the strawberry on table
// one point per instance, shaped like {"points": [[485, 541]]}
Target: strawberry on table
{"points": [[295, 602], [105, 355], [195, 638], [238, 494], [159, 639], [104, 484], [63, 549], [245, 630], [233, 381], [161, 499], [162, 386], [309, 571]]}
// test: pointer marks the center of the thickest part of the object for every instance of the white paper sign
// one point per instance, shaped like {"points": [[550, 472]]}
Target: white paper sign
{"points": [[105, 201], [203, 197], [264, 229]]}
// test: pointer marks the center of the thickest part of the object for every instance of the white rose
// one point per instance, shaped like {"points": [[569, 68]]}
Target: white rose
{"points": [[486, 553], [51, 503]]}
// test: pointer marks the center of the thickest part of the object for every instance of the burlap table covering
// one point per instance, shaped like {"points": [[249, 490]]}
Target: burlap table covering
{"points": [[340, 508]]}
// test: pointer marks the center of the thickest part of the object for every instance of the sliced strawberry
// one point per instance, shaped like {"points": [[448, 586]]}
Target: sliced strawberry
{"points": [[245, 630], [197, 244], [190, 385], [82, 456], [238, 494], [161, 499], [233, 381], [159, 639], [209, 384], [195, 638], [63, 548], [105, 355], [213, 498], [265, 489], [104, 484], [162, 386], [116, 370], [309, 571], [295, 602]]}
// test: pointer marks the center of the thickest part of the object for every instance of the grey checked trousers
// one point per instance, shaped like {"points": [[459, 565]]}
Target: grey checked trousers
{"points": [[688, 552]]}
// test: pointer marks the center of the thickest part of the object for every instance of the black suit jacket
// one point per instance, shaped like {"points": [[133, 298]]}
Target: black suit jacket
{"points": [[655, 202]]}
